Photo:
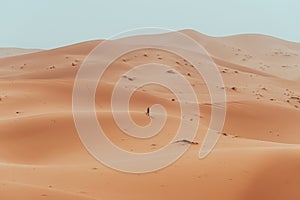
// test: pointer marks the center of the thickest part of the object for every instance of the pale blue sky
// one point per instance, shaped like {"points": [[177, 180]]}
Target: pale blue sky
{"points": [[52, 23]]}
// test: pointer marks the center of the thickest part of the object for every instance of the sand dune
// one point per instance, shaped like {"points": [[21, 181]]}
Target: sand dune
{"points": [[9, 52], [257, 156]]}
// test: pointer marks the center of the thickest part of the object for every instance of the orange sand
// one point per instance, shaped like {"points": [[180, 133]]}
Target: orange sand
{"points": [[257, 156]]}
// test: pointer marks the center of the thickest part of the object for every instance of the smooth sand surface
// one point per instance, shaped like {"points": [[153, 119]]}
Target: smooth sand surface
{"points": [[257, 156], [9, 52]]}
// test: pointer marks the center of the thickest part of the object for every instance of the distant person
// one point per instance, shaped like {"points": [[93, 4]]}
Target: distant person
{"points": [[148, 112]]}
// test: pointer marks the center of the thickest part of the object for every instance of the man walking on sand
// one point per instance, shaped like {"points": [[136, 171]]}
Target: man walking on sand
{"points": [[148, 112]]}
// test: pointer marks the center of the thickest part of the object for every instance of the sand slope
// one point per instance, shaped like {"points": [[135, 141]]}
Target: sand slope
{"points": [[9, 52], [257, 156]]}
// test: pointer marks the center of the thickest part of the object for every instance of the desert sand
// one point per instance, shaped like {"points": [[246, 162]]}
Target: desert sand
{"points": [[9, 52], [256, 157]]}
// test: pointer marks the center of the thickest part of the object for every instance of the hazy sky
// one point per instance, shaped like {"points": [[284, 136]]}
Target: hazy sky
{"points": [[52, 23]]}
